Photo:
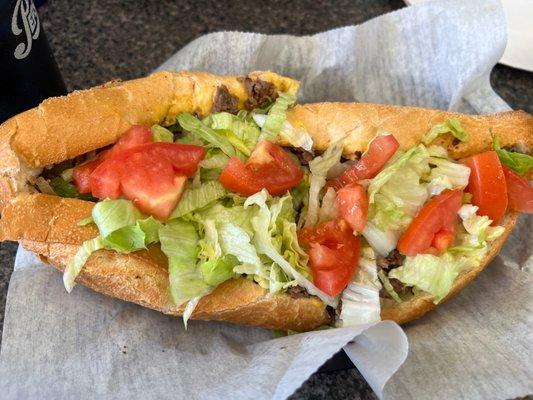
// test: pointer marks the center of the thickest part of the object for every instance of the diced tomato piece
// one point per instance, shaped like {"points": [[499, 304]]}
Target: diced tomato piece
{"points": [[269, 166], [380, 150], [353, 205], [81, 173], [133, 137], [487, 184], [519, 191], [184, 158], [428, 228], [442, 240], [333, 254], [105, 179], [152, 185]]}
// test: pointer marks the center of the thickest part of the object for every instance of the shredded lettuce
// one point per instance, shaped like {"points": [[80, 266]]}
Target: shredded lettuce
{"points": [[262, 224], [319, 168], [453, 126], [215, 159], [360, 299], [432, 274], [161, 134], [518, 162], [417, 155], [329, 209], [295, 136], [111, 215], [447, 175], [383, 242], [243, 134], [197, 198], [179, 242], [277, 115], [76, 264], [193, 125]]}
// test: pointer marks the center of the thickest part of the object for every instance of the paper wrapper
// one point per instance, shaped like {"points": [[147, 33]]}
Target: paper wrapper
{"points": [[476, 346]]}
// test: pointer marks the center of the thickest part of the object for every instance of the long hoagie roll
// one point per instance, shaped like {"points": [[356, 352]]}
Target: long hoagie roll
{"points": [[67, 127]]}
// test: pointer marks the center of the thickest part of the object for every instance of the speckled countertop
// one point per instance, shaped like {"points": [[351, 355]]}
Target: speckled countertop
{"points": [[96, 41]]}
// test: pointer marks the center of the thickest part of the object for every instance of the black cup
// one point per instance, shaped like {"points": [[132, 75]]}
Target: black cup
{"points": [[28, 70]]}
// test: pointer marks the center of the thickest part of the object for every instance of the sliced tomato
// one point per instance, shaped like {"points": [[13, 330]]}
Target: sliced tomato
{"points": [[135, 136], [81, 173], [353, 205], [519, 191], [105, 179], [380, 150], [269, 166], [442, 240], [184, 158], [487, 184], [429, 231], [333, 254], [151, 184]]}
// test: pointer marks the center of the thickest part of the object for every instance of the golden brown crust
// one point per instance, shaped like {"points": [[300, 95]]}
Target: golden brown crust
{"points": [[48, 226], [358, 123]]}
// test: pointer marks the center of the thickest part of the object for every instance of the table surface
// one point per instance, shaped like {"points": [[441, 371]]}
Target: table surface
{"points": [[96, 41]]}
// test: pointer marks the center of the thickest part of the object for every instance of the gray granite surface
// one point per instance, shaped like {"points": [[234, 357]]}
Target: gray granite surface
{"points": [[95, 41]]}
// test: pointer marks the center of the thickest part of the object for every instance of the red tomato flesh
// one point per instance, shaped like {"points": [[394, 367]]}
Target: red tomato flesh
{"points": [[380, 150], [487, 184], [151, 184], [81, 173], [269, 167], [353, 205], [333, 254], [519, 191], [135, 136], [430, 230]]}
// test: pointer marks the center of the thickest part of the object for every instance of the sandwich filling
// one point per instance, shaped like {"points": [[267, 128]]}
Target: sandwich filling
{"points": [[224, 201]]}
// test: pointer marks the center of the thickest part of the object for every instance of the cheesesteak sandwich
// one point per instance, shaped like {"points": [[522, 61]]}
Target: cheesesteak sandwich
{"points": [[218, 198]]}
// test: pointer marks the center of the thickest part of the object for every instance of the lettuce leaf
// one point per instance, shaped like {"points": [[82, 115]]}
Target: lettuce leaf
{"points": [[76, 264], [277, 115], [417, 155], [329, 209], [360, 299], [245, 131], [447, 175], [518, 162], [296, 136], [192, 124], [161, 134], [432, 274], [179, 242], [196, 198], [453, 126], [319, 168]]}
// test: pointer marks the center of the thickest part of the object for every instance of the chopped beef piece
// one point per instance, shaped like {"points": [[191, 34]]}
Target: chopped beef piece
{"points": [[259, 92], [225, 101], [393, 260], [455, 142], [298, 292], [303, 155]]}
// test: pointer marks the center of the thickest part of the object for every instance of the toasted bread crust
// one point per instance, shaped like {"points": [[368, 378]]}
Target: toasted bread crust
{"points": [[66, 127]]}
